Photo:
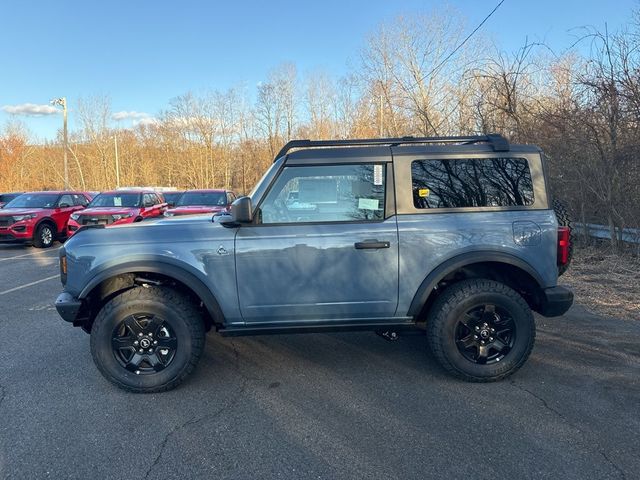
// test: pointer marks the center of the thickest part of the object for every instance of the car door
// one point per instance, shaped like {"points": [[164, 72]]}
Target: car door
{"points": [[64, 208], [330, 255]]}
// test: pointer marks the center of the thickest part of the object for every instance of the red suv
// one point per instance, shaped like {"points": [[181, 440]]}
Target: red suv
{"points": [[119, 207], [202, 201], [40, 217]]}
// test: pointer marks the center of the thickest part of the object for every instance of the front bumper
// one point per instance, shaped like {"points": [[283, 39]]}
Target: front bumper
{"points": [[69, 307], [555, 301]]}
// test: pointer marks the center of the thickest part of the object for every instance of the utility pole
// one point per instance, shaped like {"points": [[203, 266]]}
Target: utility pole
{"points": [[115, 142], [62, 101]]}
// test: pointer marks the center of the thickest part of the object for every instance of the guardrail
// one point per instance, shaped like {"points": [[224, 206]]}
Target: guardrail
{"points": [[629, 235]]}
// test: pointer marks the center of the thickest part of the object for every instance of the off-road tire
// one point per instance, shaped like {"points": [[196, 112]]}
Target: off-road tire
{"points": [[45, 236], [458, 299], [564, 220], [177, 310]]}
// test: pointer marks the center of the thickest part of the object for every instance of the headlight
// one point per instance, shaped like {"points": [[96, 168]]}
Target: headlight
{"points": [[19, 218], [168, 214], [117, 217], [75, 216]]}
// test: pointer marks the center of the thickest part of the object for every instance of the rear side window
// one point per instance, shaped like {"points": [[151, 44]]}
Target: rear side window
{"points": [[477, 182]]}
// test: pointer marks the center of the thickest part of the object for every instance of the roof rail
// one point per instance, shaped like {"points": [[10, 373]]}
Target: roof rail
{"points": [[497, 141]]}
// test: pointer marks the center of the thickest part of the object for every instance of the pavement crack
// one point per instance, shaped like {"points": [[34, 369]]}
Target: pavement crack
{"points": [[197, 419], [548, 407], [2, 394]]}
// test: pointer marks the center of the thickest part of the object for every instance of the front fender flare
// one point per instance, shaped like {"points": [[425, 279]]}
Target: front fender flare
{"points": [[174, 271]]}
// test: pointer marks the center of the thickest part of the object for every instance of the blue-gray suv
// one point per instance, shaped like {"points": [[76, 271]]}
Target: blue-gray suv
{"points": [[452, 237]]}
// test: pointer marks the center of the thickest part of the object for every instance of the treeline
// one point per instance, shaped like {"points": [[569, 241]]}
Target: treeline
{"points": [[583, 110]]}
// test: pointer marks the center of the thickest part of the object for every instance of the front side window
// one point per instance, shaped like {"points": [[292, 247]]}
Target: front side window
{"points": [[479, 182], [66, 201], [332, 193]]}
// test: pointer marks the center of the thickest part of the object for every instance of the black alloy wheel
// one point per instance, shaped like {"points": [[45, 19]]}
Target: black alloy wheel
{"points": [[144, 344], [485, 334]]}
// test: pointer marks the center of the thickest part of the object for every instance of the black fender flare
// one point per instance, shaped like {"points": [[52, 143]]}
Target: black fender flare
{"points": [[454, 263], [174, 271]]}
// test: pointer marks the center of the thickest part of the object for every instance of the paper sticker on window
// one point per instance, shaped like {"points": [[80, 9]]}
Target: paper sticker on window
{"points": [[377, 174], [368, 204], [423, 192], [117, 201]]}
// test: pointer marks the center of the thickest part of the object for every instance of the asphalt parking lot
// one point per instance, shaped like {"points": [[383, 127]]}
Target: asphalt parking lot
{"points": [[347, 405]]}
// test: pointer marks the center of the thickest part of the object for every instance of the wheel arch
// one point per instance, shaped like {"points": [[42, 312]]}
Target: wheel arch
{"points": [[111, 281], [504, 267], [49, 221]]}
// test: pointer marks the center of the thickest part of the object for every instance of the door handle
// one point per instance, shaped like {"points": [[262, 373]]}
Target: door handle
{"points": [[371, 244]]}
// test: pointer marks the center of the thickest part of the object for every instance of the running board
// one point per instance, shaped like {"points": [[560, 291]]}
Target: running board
{"points": [[239, 331]]}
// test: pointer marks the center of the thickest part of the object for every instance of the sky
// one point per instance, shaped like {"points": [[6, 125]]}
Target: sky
{"points": [[144, 53]]}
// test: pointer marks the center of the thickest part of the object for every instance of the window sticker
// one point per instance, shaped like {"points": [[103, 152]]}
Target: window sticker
{"points": [[117, 201], [368, 203], [377, 174], [423, 192]]}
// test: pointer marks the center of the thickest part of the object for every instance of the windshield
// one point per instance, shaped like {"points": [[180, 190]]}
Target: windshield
{"points": [[202, 198], [172, 197], [116, 200], [34, 200]]}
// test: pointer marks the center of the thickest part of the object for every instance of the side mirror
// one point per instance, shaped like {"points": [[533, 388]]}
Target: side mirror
{"points": [[64, 205], [241, 212]]}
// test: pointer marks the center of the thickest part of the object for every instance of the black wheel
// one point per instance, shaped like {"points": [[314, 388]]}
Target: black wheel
{"points": [[147, 340], [44, 236], [564, 220], [480, 330]]}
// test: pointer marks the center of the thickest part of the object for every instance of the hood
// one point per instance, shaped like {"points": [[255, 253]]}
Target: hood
{"points": [[195, 209], [108, 211], [5, 212]]}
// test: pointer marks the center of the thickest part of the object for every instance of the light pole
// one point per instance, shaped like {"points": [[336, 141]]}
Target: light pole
{"points": [[62, 101], [115, 142]]}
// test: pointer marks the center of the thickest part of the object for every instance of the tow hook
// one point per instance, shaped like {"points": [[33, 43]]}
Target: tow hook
{"points": [[388, 335]]}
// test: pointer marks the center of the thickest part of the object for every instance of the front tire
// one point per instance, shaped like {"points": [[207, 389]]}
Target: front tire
{"points": [[480, 330], [44, 236], [147, 339]]}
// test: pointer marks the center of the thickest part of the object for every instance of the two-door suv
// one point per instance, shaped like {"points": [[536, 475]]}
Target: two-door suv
{"points": [[40, 218], [193, 202], [454, 237], [119, 207]]}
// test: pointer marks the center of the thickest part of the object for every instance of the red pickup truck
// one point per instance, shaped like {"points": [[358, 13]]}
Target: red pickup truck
{"points": [[119, 207], [40, 217], [193, 202]]}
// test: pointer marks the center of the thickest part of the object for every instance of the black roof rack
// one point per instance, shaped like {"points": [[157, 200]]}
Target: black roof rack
{"points": [[498, 142]]}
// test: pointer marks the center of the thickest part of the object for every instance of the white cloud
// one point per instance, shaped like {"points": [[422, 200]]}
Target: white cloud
{"points": [[31, 109], [146, 121], [132, 115]]}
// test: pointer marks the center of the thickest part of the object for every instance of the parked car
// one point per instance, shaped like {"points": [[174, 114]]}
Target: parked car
{"points": [[193, 202], [172, 197], [40, 218], [7, 197], [119, 207], [453, 237]]}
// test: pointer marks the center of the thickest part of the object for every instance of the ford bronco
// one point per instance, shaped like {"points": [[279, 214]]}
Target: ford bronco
{"points": [[452, 237]]}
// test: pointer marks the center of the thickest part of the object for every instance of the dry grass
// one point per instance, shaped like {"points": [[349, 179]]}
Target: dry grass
{"points": [[605, 283]]}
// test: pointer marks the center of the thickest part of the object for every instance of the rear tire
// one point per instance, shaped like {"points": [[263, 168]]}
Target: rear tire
{"points": [[44, 236], [147, 340], [480, 330]]}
